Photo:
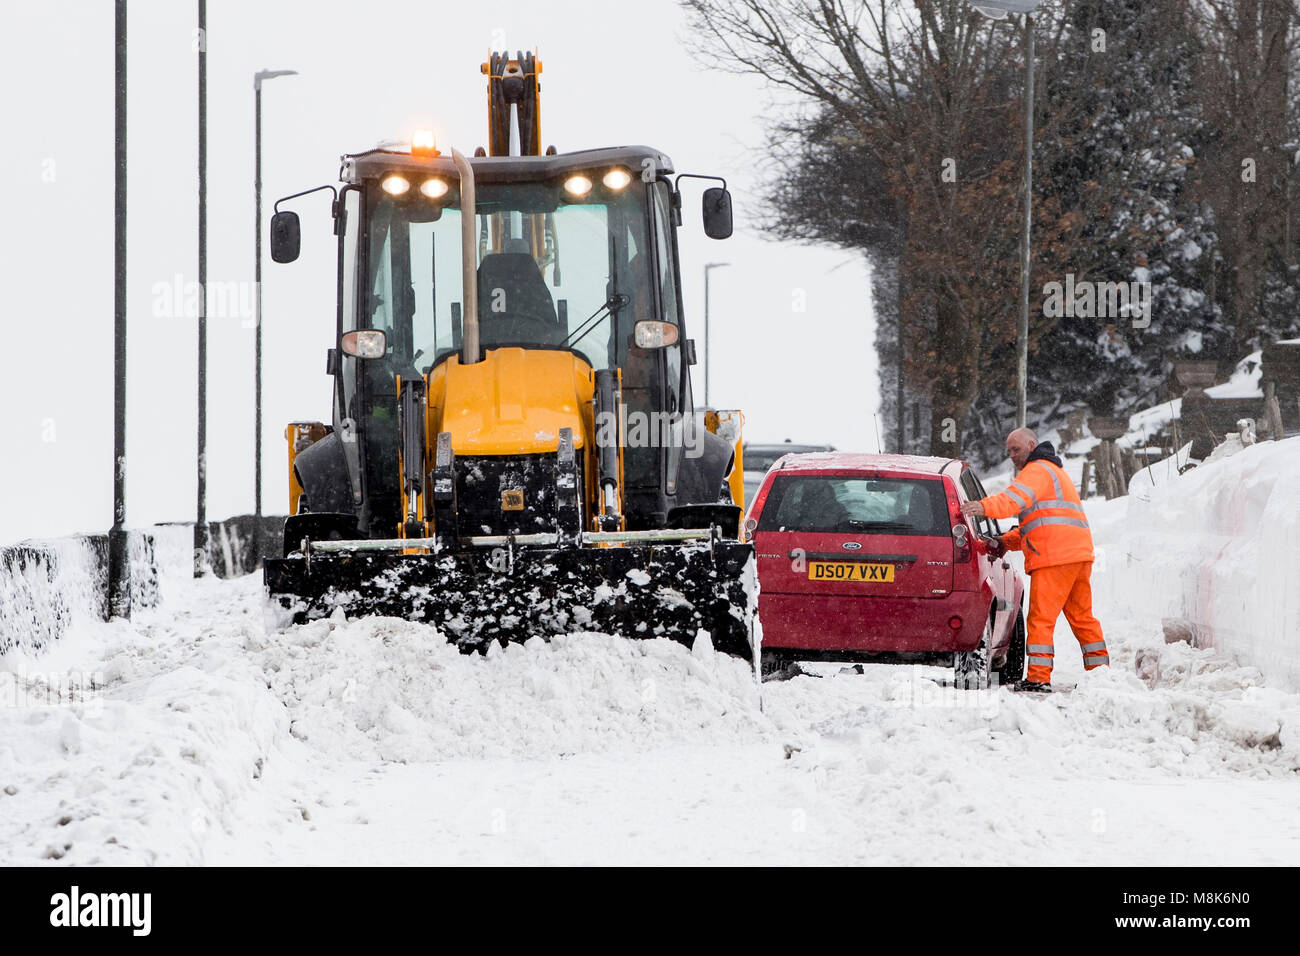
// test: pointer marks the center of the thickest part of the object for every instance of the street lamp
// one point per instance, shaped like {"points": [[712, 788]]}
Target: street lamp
{"points": [[201, 544], [708, 351], [258, 77], [119, 566], [998, 10]]}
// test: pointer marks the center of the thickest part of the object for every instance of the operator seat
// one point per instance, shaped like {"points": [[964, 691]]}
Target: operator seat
{"points": [[514, 305]]}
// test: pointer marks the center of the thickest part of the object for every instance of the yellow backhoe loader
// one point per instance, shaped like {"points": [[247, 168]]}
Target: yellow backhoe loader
{"points": [[514, 448]]}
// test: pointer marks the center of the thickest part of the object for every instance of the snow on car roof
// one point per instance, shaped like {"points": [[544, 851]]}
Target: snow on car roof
{"points": [[857, 461]]}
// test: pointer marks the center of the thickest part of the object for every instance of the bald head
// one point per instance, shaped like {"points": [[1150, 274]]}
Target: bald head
{"points": [[1019, 444]]}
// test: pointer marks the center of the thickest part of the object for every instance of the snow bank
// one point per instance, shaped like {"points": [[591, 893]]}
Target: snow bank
{"points": [[386, 689], [147, 741], [1218, 547], [47, 585], [130, 742]]}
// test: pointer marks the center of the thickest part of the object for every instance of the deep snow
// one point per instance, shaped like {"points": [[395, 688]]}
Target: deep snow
{"points": [[190, 735]]}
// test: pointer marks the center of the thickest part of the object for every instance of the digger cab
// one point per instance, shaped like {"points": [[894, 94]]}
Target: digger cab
{"points": [[575, 253]]}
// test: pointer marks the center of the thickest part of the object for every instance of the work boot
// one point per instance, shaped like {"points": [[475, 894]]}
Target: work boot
{"points": [[1032, 687]]}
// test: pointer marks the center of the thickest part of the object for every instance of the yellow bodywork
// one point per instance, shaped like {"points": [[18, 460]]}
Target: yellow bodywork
{"points": [[514, 402], [728, 423], [300, 435]]}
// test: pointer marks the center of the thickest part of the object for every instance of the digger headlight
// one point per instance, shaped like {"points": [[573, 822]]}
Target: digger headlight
{"points": [[434, 188], [395, 185], [365, 343], [578, 185], [617, 178], [650, 334]]}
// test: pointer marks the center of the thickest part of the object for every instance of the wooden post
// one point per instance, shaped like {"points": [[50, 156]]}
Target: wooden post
{"points": [[1106, 466], [1273, 412], [1083, 481], [1130, 466]]}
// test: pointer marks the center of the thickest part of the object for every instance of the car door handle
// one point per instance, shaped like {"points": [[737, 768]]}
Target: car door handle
{"points": [[1006, 565]]}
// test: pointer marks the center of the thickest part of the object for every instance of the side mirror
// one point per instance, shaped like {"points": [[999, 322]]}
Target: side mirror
{"points": [[650, 334], [286, 236], [717, 213], [365, 343]]}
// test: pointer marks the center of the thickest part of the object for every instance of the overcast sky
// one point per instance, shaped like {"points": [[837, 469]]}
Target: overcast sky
{"points": [[369, 72]]}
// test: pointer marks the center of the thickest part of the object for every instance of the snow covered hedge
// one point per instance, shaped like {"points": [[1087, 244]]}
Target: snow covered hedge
{"points": [[1219, 548], [44, 585]]}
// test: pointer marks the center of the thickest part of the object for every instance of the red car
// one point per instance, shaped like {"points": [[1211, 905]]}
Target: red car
{"points": [[867, 558]]}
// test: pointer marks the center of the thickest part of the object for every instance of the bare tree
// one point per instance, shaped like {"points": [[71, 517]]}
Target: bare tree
{"points": [[1250, 49], [920, 95]]}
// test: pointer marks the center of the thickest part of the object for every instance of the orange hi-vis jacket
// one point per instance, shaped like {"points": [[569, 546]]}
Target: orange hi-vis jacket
{"points": [[1053, 528]]}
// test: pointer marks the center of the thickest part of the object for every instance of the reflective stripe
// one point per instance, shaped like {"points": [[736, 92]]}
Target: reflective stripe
{"points": [[1040, 657], [1053, 519], [1060, 504], [1056, 482], [1094, 647], [1028, 500], [1023, 490], [1040, 649], [1097, 657]]}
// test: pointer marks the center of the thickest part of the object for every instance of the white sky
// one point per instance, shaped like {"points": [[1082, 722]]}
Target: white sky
{"points": [[609, 78]]}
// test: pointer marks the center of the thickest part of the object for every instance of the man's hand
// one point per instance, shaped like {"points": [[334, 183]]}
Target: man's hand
{"points": [[973, 508]]}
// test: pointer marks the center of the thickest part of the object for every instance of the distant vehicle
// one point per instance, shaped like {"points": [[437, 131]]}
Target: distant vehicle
{"points": [[759, 458], [867, 558]]}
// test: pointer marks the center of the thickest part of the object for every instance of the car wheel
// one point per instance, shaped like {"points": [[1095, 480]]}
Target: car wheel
{"points": [[1014, 668], [971, 670]]}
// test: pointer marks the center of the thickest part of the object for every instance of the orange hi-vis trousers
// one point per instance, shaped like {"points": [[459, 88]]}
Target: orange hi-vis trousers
{"points": [[1068, 588]]}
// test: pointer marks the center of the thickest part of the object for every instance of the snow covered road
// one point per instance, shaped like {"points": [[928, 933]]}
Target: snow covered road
{"points": [[372, 741]]}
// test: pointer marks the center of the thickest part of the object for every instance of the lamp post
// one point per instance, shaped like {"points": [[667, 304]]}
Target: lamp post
{"points": [[258, 77], [707, 350], [201, 466], [998, 10], [119, 569]]}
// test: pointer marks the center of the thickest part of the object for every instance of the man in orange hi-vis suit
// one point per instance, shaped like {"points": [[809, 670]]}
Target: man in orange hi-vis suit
{"points": [[1054, 535]]}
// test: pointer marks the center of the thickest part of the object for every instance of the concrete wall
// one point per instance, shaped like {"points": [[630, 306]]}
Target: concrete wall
{"points": [[45, 585]]}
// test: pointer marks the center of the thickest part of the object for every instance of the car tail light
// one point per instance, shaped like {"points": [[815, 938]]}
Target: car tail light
{"points": [[961, 534], [954, 622], [961, 549]]}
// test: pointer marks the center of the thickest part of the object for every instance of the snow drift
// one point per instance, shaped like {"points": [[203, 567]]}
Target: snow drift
{"points": [[1217, 547]]}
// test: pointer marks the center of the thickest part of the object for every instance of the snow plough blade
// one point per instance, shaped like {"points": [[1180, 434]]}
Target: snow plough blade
{"points": [[480, 596]]}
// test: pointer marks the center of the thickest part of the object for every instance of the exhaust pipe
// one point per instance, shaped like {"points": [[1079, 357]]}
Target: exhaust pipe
{"points": [[469, 349]]}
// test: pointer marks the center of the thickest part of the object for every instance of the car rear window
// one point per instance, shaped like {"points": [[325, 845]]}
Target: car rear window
{"points": [[847, 505]]}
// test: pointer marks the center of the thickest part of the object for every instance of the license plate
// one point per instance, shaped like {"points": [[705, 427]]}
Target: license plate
{"points": [[850, 571]]}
